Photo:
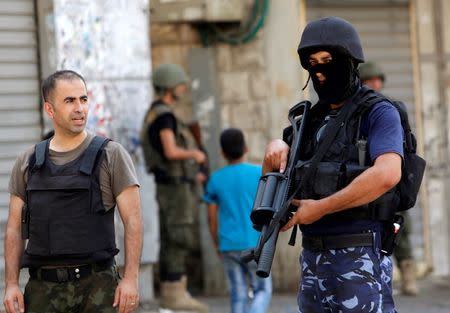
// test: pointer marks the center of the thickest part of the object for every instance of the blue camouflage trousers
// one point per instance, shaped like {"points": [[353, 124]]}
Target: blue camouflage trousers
{"points": [[349, 280]]}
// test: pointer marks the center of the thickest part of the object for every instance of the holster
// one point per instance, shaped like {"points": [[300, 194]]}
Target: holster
{"points": [[392, 233]]}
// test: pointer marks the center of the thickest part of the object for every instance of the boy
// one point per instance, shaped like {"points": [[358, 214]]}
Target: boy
{"points": [[229, 195]]}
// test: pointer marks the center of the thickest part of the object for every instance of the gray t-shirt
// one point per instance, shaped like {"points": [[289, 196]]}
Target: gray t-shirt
{"points": [[116, 173]]}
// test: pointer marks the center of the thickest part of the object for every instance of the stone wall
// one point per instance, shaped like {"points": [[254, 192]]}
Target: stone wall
{"points": [[241, 76], [242, 99], [256, 84]]}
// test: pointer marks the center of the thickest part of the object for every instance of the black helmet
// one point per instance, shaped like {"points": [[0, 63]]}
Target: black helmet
{"points": [[332, 33]]}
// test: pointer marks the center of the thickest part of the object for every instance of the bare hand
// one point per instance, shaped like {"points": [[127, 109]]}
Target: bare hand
{"points": [[199, 156], [127, 296], [200, 178], [308, 212], [275, 156], [13, 300]]}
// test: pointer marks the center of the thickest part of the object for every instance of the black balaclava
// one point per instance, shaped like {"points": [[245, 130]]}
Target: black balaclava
{"points": [[341, 79]]}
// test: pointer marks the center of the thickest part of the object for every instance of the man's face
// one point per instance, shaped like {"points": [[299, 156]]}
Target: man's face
{"points": [[376, 83], [321, 57], [179, 91], [332, 74], [68, 106]]}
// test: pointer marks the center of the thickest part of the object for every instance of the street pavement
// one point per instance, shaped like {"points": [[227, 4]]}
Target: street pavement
{"points": [[433, 298]]}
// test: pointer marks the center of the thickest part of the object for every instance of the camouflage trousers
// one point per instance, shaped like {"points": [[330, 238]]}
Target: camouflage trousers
{"points": [[91, 294], [349, 280], [178, 220]]}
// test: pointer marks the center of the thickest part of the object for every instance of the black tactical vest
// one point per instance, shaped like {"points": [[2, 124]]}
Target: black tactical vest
{"points": [[168, 171], [67, 220], [341, 164]]}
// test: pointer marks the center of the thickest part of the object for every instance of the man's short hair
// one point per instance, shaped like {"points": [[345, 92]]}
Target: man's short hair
{"points": [[233, 143], [49, 84]]}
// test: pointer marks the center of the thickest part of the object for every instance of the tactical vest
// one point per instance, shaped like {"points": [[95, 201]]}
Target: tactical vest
{"points": [[67, 219], [168, 171], [341, 164]]}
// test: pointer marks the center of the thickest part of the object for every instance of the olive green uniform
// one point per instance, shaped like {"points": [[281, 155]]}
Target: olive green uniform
{"points": [[177, 194]]}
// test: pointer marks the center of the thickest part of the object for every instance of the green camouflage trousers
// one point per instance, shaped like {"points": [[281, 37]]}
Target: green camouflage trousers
{"points": [[178, 216], [92, 294]]}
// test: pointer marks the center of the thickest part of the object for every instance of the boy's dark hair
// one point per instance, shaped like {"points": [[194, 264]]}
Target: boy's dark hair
{"points": [[48, 85], [233, 143]]}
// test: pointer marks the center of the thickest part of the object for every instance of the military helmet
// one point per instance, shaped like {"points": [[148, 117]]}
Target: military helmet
{"points": [[169, 76], [370, 70], [332, 33]]}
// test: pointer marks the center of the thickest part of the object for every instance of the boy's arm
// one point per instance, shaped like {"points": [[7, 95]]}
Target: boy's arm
{"points": [[212, 222]]}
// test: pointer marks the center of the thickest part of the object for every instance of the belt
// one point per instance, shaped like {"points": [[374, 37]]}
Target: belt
{"points": [[68, 273], [337, 242], [174, 180]]}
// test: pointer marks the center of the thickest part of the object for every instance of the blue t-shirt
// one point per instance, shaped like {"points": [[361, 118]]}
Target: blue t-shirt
{"points": [[384, 133], [233, 189], [383, 129]]}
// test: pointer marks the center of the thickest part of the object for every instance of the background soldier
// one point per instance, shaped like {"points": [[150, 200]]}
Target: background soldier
{"points": [[66, 189], [372, 75], [172, 156]]}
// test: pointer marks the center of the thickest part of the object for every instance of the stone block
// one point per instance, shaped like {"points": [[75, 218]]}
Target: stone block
{"points": [[171, 54], [188, 34], [224, 59], [259, 85], [249, 56], [164, 33], [234, 87], [225, 115], [250, 116], [256, 144], [241, 117]]}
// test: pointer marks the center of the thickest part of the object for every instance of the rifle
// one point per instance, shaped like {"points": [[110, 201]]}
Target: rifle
{"points": [[271, 207], [196, 131]]}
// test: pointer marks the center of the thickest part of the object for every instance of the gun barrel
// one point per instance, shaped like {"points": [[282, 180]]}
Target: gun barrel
{"points": [[267, 254]]}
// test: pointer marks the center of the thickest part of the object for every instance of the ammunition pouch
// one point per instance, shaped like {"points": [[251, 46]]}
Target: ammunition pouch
{"points": [[330, 177]]}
